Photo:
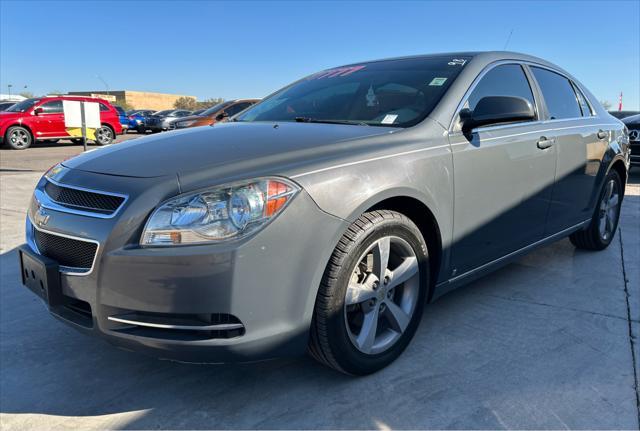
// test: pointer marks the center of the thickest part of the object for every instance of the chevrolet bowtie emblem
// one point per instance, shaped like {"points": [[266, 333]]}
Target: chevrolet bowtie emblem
{"points": [[41, 217]]}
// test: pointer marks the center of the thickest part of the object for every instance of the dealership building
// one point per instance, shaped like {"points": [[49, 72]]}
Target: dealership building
{"points": [[136, 99]]}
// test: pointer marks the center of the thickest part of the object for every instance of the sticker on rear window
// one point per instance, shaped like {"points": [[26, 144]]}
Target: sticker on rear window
{"points": [[437, 81], [389, 119]]}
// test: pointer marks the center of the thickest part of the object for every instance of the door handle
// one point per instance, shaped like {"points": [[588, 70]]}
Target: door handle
{"points": [[602, 134], [544, 143]]}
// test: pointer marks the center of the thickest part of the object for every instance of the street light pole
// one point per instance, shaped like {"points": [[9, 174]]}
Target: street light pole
{"points": [[9, 87]]}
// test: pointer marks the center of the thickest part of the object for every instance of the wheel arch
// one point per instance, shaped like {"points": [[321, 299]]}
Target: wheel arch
{"points": [[419, 213], [113, 130], [619, 166], [24, 126]]}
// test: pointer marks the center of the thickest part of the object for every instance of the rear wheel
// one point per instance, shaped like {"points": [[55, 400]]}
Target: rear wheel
{"points": [[104, 135], [18, 138], [604, 222], [372, 294]]}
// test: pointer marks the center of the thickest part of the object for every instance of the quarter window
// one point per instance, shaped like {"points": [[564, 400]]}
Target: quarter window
{"points": [[584, 105], [53, 107], [503, 80], [104, 108], [558, 94]]}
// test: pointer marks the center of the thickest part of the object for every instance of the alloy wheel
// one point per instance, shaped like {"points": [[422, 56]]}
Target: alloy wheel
{"points": [[382, 294], [103, 136], [609, 207], [19, 138]]}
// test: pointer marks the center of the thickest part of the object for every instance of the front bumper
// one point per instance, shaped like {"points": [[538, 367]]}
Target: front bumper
{"points": [[267, 282]]}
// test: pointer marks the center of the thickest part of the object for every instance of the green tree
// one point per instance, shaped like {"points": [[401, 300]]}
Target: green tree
{"points": [[27, 94], [123, 104], [188, 103], [193, 105]]}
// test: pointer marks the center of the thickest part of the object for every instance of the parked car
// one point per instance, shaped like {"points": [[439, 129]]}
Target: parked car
{"points": [[42, 119], [160, 121], [325, 216], [633, 124], [623, 114], [123, 117], [216, 113], [138, 118], [6, 105]]}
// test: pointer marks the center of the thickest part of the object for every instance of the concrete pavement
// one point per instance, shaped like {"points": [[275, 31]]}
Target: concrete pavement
{"points": [[543, 343]]}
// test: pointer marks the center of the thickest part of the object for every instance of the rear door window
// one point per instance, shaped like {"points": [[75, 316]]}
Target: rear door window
{"points": [[558, 93]]}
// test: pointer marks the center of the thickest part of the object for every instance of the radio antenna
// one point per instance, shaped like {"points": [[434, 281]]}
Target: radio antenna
{"points": [[508, 40]]}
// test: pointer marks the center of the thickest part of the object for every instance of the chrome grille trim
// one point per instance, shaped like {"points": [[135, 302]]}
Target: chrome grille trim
{"points": [[47, 202], [63, 269]]}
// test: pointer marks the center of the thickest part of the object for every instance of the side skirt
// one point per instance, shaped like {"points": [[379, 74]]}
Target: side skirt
{"points": [[476, 273]]}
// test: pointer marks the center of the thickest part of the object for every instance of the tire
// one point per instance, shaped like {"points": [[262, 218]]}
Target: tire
{"points": [[18, 138], [104, 135], [141, 130], [77, 141], [602, 229], [337, 338]]}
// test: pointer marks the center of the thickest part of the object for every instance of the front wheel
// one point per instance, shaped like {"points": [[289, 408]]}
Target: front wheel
{"points": [[372, 294], [18, 138], [604, 222], [104, 135]]}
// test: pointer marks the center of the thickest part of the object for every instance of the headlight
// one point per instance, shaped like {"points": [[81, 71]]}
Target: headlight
{"points": [[182, 124], [138, 121], [219, 213]]}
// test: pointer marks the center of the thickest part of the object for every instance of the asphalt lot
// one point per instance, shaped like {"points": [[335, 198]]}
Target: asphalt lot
{"points": [[544, 343]]}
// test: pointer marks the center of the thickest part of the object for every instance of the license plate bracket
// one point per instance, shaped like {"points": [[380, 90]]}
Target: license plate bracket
{"points": [[41, 275]]}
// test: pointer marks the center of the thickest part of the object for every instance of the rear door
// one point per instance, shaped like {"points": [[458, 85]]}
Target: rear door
{"points": [[580, 145], [502, 178]]}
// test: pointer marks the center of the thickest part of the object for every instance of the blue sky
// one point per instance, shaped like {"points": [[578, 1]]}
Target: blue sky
{"points": [[248, 49]]}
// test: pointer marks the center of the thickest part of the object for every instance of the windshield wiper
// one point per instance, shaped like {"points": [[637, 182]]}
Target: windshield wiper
{"points": [[316, 120]]}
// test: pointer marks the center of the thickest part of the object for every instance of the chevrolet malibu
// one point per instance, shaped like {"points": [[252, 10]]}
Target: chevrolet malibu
{"points": [[323, 218]]}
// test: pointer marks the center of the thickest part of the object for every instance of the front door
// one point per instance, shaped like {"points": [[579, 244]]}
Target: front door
{"points": [[50, 120], [503, 178]]}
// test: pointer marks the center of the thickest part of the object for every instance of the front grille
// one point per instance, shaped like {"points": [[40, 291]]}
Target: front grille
{"points": [[68, 252], [82, 199]]}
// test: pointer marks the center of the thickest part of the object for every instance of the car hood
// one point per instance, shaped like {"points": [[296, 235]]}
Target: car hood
{"points": [[4, 115], [235, 148]]}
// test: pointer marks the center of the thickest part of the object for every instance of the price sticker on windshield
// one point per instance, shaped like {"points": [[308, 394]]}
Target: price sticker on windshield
{"points": [[437, 81]]}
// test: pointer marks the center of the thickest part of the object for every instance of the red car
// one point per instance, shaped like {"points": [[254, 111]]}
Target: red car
{"points": [[42, 119]]}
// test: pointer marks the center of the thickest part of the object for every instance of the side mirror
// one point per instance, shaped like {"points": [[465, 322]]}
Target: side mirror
{"points": [[38, 111], [496, 110], [221, 116]]}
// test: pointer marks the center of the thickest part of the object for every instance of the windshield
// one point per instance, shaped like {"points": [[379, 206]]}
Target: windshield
{"points": [[214, 109], [397, 93], [23, 106]]}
